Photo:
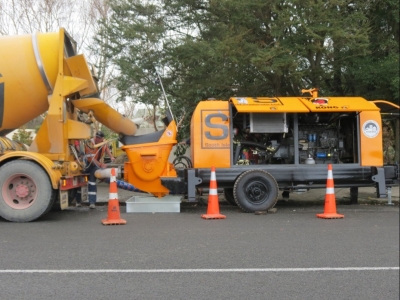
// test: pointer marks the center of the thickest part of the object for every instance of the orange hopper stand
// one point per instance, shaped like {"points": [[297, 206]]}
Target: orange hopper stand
{"points": [[213, 203], [113, 217], [330, 201]]}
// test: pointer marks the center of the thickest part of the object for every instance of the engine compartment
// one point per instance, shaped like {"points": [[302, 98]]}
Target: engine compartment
{"points": [[295, 138]]}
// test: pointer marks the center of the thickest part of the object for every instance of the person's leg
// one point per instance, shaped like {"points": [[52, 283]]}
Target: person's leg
{"points": [[76, 193], [78, 196], [92, 187]]}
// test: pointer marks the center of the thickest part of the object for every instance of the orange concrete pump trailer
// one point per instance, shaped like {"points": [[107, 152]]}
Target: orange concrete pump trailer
{"points": [[265, 144]]}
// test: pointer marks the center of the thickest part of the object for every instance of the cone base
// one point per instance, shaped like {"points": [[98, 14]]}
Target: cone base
{"points": [[330, 216], [113, 222], [213, 216]]}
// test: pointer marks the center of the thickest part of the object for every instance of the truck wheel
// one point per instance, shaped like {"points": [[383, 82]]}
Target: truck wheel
{"points": [[229, 196], [25, 191], [255, 190]]}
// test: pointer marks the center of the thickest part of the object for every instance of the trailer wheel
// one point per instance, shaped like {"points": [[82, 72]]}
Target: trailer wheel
{"points": [[228, 193], [255, 190], [25, 190]]}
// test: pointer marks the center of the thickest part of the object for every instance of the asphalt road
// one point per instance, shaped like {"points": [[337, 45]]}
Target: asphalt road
{"points": [[290, 254]]}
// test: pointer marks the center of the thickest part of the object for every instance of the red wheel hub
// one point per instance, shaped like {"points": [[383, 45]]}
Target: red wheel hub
{"points": [[19, 191], [22, 191]]}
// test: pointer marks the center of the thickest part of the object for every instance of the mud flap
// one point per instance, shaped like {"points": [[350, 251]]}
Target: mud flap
{"points": [[63, 199]]}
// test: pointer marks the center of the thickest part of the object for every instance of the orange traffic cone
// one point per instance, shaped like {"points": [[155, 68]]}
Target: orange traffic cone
{"points": [[213, 203], [330, 201], [113, 217]]}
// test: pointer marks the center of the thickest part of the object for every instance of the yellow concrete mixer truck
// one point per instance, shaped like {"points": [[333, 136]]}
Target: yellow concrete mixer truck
{"points": [[43, 74]]}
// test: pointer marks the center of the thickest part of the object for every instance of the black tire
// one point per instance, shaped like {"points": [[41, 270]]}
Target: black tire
{"points": [[25, 191], [255, 190], [228, 193]]}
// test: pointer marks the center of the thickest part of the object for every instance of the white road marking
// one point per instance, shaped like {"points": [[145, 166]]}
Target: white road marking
{"points": [[255, 270]]}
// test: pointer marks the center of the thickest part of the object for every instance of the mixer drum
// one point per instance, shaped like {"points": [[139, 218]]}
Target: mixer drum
{"points": [[28, 72]]}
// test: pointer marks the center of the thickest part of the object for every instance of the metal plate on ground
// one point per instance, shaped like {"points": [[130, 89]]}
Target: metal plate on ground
{"points": [[150, 204]]}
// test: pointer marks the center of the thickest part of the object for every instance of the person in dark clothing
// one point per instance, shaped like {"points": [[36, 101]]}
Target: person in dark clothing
{"points": [[94, 161]]}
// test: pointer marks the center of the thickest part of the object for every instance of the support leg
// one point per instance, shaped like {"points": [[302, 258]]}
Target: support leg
{"points": [[389, 195], [354, 195]]}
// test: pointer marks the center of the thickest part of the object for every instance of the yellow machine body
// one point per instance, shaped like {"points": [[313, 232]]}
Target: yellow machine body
{"points": [[42, 75], [24, 94]]}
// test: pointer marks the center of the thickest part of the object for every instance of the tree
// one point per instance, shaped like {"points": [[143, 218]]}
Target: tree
{"points": [[224, 48], [23, 136], [376, 76], [30, 16], [131, 40]]}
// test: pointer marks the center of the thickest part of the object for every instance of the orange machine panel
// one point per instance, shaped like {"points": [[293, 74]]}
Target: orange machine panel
{"points": [[211, 135], [269, 105], [148, 162], [338, 104], [371, 138]]}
